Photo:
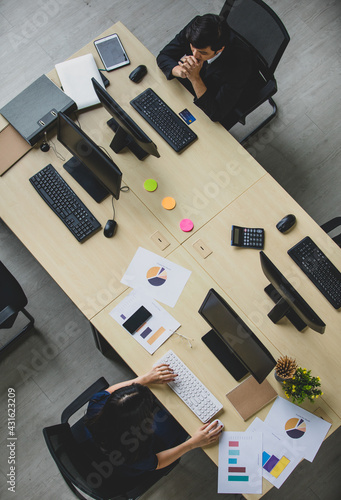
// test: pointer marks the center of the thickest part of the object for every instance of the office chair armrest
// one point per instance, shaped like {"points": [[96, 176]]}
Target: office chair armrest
{"points": [[100, 385], [331, 224], [7, 313]]}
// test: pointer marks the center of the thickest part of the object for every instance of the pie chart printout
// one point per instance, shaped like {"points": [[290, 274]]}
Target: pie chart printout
{"points": [[295, 428], [157, 276]]}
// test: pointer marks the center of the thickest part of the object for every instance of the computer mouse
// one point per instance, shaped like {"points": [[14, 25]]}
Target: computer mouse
{"points": [[218, 424], [287, 223], [110, 228], [138, 73]]}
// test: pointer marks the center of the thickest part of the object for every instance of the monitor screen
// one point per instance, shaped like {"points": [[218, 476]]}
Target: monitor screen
{"points": [[289, 302], [102, 168], [237, 336], [128, 133]]}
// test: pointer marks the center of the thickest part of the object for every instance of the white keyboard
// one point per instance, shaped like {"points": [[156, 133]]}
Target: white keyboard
{"points": [[189, 388]]}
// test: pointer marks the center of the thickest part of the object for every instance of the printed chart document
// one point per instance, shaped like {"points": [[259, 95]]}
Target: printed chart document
{"points": [[278, 461], [157, 329], [302, 431], [156, 276], [240, 462]]}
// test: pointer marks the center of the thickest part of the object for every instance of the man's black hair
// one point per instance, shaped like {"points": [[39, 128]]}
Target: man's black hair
{"points": [[209, 30]]}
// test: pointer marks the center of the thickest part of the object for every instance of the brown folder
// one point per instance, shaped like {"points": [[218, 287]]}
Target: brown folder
{"points": [[250, 396], [12, 148]]}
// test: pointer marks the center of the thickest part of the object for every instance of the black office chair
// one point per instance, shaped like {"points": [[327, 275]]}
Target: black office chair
{"points": [[12, 301], [332, 224], [257, 25], [80, 463]]}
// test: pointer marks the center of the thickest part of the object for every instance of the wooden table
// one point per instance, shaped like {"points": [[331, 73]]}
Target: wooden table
{"points": [[216, 183]]}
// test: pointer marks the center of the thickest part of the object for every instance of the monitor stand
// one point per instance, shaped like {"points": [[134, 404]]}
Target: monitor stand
{"points": [[86, 179], [225, 355], [282, 308], [122, 139]]}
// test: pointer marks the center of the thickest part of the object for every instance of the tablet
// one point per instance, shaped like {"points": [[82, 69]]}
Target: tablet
{"points": [[111, 52]]}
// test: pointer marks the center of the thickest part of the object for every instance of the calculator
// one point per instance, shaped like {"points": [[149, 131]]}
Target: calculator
{"points": [[247, 237]]}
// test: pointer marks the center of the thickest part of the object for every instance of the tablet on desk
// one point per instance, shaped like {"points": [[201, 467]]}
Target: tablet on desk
{"points": [[111, 52]]}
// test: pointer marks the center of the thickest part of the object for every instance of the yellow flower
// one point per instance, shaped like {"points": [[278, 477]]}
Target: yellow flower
{"points": [[293, 390], [318, 378], [321, 393]]}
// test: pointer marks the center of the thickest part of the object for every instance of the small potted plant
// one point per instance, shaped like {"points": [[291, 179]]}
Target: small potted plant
{"points": [[302, 386], [285, 368]]}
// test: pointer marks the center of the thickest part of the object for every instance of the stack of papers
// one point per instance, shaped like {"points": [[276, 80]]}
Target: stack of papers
{"points": [[271, 449]]}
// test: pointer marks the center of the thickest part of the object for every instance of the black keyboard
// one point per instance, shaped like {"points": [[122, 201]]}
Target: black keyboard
{"points": [[163, 119], [65, 203], [316, 265]]}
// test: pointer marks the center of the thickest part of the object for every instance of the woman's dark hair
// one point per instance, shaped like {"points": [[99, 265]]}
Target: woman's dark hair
{"points": [[209, 30], [125, 423]]}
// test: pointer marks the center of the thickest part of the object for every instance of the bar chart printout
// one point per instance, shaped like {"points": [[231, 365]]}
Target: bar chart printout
{"points": [[278, 460], [240, 463]]}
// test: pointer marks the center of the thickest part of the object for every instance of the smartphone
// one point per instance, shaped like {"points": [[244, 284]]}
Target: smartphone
{"points": [[111, 52], [137, 319]]}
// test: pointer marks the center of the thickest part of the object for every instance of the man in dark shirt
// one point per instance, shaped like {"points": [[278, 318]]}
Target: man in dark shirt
{"points": [[212, 64]]}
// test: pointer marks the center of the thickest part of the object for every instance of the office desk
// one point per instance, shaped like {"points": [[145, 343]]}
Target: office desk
{"points": [[198, 177], [198, 358], [215, 183], [239, 273], [90, 272]]}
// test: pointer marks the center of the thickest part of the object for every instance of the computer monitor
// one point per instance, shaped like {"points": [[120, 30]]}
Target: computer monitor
{"points": [[127, 132], [233, 342], [288, 301], [89, 166]]}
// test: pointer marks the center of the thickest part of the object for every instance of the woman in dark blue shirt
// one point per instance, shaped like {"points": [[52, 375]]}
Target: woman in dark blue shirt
{"points": [[129, 424]]}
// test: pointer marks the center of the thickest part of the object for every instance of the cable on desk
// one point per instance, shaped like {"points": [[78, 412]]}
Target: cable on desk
{"points": [[54, 148]]}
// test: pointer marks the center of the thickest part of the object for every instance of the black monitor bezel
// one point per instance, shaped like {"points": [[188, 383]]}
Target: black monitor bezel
{"points": [[115, 187], [124, 120], [245, 328], [290, 295]]}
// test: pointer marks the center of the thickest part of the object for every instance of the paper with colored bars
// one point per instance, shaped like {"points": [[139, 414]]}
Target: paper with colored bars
{"points": [[240, 462], [157, 329], [278, 461]]}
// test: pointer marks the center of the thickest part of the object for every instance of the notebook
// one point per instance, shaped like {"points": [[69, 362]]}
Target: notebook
{"points": [[12, 147], [75, 77], [250, 396]]}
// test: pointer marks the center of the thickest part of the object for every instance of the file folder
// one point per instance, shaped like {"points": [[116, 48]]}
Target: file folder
{"points": [[34, 111]]}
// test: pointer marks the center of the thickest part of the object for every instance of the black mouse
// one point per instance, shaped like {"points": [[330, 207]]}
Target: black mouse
{"points": [[110, 228], [138, 73], [287, 223]]}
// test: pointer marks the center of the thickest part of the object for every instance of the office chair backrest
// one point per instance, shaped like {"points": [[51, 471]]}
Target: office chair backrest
{"points": [[76, 466], [11, 294], [258, 25]]}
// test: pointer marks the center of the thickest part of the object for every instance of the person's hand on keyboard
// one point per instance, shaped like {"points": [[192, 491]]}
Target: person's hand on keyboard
{"points": [[207, 434], [160, 374]]}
